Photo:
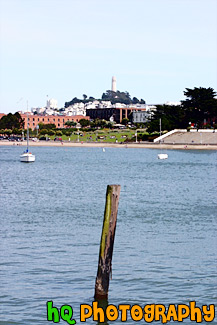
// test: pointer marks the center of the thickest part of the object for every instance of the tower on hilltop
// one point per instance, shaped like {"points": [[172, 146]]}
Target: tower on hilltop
{"points": [[114, 88]]}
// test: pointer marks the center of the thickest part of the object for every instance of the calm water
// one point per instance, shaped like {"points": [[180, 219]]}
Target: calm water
{"points": [[51, 215]]}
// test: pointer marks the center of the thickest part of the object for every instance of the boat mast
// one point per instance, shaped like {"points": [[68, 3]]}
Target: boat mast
{"points": [[160, 127], [160, 130], [27, 129]]}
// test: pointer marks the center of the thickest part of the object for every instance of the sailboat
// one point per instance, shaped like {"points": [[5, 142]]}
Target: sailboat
{"points": [[162, 155], [27, 156]]}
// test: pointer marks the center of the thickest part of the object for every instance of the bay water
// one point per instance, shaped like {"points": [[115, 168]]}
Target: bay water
{"points": [[51, 215]]}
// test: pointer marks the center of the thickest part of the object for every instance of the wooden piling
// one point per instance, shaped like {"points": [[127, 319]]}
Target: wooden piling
{"points": [[107, 242]]}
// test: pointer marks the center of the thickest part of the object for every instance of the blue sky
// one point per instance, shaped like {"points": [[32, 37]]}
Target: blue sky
{"points": [[67, 48]]}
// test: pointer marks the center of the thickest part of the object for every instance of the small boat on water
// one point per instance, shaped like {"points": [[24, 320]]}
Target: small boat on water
{"points": [[27, 156], [103, 149], [162, 155]]}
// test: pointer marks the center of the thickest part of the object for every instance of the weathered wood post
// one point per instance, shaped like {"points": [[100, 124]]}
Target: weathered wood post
{"points": [[107, 242]]}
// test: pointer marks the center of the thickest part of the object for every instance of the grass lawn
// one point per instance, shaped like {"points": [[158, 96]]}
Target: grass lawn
{"points": [[99, 136]]}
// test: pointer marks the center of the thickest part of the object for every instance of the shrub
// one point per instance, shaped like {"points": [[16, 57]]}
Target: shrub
{"points": [[155, 133], [17, 131], [145, 136], [43, 131], [59, 133], [91, 129], [8, 132], [51, 132]]}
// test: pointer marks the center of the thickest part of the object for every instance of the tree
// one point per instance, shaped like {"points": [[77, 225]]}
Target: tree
{"points": [[200, 105], [109, 125], [12, 121], [135, 100], [43, 131], [85, 97], [84, 122], [17, 131], [20, 121], [70, 123], [125, 121], [73, 101], [172, 117], [51, 132], [98, 123], [118, 97], [8, 132], [49, 126]]}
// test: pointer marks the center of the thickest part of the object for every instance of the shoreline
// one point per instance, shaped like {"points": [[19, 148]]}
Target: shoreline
{"points": [[111, 145]]}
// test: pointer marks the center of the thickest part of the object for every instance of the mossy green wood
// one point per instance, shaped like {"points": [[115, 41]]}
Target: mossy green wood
{"points": [[107, 242]]}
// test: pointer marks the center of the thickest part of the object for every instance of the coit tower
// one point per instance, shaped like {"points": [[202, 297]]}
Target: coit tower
{"points": [[114, 88]]}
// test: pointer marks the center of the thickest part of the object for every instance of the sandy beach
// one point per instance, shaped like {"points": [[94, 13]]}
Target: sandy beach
{"points": [[111, 145]]}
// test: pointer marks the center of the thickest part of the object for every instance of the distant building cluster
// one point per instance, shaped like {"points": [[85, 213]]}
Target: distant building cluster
{"points": [[101, 109], [98, 109]]}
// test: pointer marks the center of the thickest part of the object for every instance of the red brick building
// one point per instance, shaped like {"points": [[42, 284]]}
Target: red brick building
{"points": [[59, 121]]}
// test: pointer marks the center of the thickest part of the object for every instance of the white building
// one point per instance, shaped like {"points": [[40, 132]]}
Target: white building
{"points": [[50, 111], [119, 105], [138, 106], [173, 103], [39, 110], [75, 109], [104, 104], [141, 116], [51, 103]]}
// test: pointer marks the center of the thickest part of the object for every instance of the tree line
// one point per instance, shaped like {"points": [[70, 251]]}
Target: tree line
{"points": [[200, 108], [112, 96]]}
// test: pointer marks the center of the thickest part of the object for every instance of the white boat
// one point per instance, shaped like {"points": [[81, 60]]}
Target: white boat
{"points": [[103, 149], [27, 156], [162, 155]]}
